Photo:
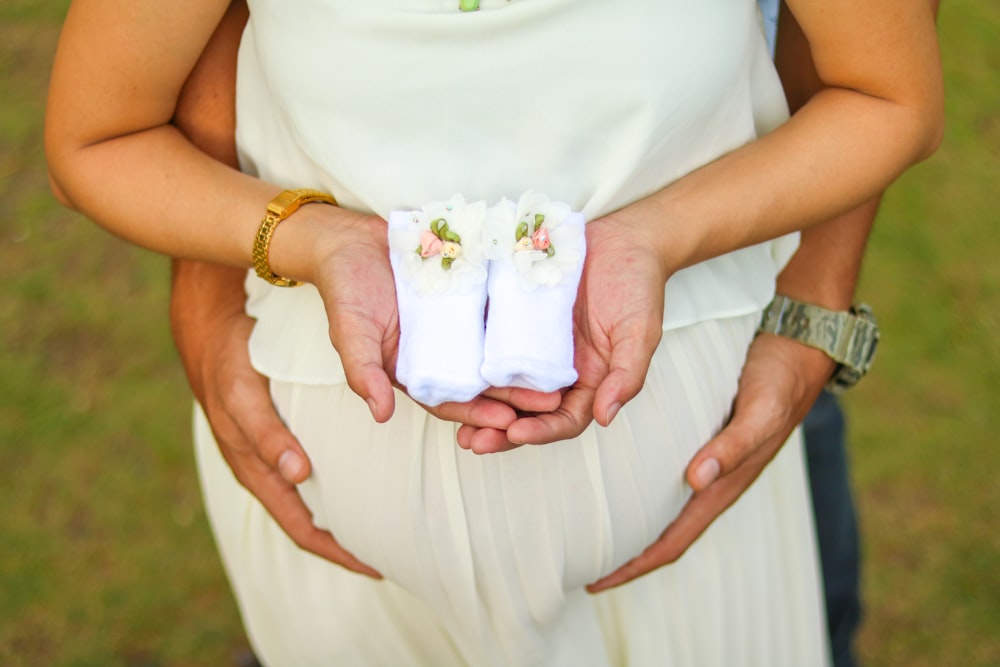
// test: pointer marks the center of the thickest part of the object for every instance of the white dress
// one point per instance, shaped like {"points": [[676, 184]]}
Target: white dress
{"points": [[389, 104]]}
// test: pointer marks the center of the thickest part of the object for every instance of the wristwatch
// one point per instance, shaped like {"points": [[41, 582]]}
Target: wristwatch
{"points": [[279, 209], [847, 337]]}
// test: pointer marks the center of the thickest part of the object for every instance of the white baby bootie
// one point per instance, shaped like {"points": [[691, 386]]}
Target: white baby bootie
{"points": [[536, 249], [440, 271]]}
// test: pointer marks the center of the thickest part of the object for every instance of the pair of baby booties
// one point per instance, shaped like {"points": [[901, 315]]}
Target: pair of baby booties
{"points": [[485, 295]]}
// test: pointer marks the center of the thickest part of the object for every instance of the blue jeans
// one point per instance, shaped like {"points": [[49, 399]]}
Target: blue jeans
{"points": [[836, 524]]}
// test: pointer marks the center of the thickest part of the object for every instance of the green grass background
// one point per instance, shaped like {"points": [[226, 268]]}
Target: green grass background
{"points": [[105, 554]]}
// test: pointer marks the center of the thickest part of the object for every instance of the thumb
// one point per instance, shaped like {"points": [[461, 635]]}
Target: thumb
{"points": [[255, 414], [746, 433], [366, 375], [630, 357]]}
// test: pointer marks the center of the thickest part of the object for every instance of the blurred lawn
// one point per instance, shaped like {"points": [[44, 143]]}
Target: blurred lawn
{"points": [[105, 554]]}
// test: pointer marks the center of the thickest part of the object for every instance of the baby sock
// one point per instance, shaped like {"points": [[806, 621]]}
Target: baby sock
{"points": [[536, 249], [440, 273]]}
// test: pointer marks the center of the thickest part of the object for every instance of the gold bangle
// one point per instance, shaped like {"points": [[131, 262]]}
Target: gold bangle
{"points": [[278, 209]]}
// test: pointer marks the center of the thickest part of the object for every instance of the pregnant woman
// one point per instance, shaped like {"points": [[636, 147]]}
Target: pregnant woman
{"points": [[663, 124]]}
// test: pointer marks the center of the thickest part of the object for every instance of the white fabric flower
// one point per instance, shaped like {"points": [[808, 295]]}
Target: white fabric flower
{"points": [[456, 270], [535, 267]]}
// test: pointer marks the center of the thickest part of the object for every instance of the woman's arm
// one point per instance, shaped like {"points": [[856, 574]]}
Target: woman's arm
{"points": [[115, 156], [781, 378], [115, 85], [871, 106], [878, 110], [117, 76], [211, 329]]}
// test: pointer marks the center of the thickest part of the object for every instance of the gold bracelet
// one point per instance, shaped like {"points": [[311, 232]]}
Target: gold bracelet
{"points": [[280, 208]]}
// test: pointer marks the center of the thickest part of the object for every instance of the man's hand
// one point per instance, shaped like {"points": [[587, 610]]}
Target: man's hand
{"points": [[618, 324], [211, 331], [779, 384]]}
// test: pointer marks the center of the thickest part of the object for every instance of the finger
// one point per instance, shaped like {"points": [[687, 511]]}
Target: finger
{"points": [[569, 420], [480, 412], [630, 357], [483, 440], [365, 371], [526, 400], [464, 435], [698, 514], [252, 409], [285, 504], [490, 441], [757, 423]]}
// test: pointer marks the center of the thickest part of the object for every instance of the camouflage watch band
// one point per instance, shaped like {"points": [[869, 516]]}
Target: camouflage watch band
{"points": [[847, 337]]}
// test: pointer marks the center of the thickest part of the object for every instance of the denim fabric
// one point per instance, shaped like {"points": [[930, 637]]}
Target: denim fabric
{"points": [[836, 524]]}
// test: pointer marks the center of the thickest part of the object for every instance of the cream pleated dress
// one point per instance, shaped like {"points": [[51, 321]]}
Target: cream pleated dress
{"points": [[392, 103]]}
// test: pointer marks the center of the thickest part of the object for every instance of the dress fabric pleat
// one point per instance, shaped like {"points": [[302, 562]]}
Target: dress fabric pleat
{"points": [[485, 557]]}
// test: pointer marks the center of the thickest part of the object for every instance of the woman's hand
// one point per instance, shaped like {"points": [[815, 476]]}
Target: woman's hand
{"points": [[618, 324], [354, 277], [211, 331], [352, 273]]}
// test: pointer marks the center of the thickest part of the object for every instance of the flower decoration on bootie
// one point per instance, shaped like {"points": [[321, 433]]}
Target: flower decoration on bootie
{"points": [[527, 234], [441, 245], [441, 241], [538, 238]]}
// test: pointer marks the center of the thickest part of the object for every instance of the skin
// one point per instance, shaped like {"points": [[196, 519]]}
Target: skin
{"points": [[881, 91], [781, 378]]}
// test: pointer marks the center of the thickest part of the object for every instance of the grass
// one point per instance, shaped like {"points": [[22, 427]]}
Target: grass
{"points": [[105, 554], [925, 426]]}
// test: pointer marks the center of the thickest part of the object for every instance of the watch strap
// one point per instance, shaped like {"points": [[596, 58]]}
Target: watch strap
{"points": [[848, 337], [279, 209]]}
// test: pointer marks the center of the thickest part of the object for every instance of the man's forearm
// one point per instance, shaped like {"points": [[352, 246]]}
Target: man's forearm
{"points": [[201, 295], [824, 270], [201, 292]]}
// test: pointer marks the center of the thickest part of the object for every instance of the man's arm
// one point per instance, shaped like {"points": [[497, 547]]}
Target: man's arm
{"points": [[211, 330], [824, 271], [206, 309]]}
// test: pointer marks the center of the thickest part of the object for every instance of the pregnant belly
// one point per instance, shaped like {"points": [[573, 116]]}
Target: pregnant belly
{"points": [[507, 536]]}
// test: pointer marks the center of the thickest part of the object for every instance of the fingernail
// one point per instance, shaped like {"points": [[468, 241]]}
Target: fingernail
{"points": [[600, 585], [613, 411], [706, 473], [373, 406], [291, 466]]}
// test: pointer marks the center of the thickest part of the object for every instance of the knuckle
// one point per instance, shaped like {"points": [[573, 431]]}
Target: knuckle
{"points": [[270, 445]]}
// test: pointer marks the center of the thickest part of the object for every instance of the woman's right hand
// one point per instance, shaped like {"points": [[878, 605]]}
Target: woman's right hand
{"points": [[618, 322], [211, 331], [353, 275]]}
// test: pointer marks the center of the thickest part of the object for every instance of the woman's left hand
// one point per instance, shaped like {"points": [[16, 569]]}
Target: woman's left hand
{"points": [[618, 323]]}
